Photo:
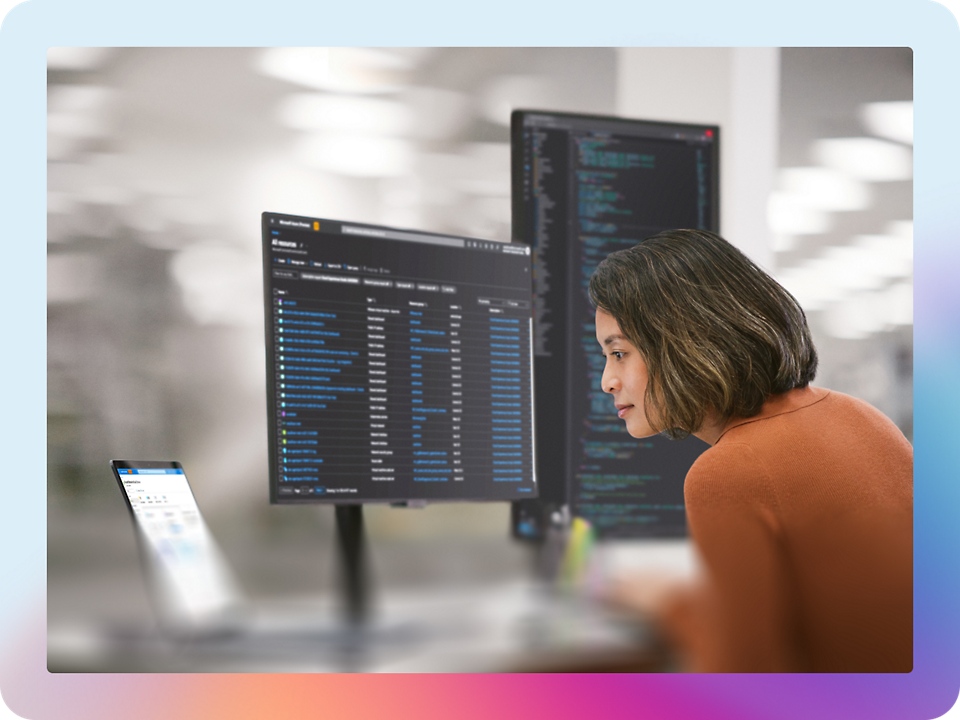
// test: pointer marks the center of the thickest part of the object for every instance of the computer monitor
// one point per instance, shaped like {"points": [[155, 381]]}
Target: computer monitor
{"points": [[398, 364], [582, 187]]}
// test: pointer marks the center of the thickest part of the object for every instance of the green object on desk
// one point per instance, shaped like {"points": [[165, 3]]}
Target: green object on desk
{"points": [[576, 556]]}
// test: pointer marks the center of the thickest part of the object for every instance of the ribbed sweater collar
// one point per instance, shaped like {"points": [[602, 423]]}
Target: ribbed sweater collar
{"points": [[787, 402]]}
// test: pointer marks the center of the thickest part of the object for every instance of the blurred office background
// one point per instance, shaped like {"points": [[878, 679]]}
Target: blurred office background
{"points": [[160, 162]]}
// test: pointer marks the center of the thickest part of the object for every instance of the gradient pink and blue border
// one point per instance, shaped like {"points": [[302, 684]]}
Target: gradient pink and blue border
{"points": [[928, 692]]}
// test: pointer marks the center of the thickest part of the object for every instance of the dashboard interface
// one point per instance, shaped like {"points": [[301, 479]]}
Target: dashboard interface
{"points": [[398, 364]]}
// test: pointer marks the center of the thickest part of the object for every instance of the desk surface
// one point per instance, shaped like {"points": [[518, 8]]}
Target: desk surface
{"points": [[517, 627]]}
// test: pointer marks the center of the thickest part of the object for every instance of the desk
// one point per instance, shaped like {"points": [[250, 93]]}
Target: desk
{"points": [[515, 627]]}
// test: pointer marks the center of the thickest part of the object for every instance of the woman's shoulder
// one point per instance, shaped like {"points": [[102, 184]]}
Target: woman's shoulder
{"points": [[857, 416], [729, 471], [795, 436], [816, 410]]}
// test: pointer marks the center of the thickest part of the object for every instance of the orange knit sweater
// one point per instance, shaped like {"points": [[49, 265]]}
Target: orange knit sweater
{"points": [[803, 516]]}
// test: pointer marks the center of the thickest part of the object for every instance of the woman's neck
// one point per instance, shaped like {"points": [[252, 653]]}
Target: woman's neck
{"points": [[711, 430]]}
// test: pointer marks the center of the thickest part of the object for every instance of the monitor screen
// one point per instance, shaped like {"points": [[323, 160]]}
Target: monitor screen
{"points": [[398, 364], [583, 187]]}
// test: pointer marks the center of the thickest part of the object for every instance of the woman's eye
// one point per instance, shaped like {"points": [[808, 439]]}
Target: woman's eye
{"points": [[617, 354]]}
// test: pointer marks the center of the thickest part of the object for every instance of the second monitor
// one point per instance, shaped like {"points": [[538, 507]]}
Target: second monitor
{"points": [[582, 187]]}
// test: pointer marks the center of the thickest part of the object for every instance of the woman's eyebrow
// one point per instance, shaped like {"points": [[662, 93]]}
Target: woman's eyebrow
{"points": [[610, 338]]}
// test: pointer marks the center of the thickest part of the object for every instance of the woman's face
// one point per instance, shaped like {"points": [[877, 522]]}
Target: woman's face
{"points": [[624, 376]]}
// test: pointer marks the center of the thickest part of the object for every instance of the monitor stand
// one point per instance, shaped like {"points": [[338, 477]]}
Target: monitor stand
{"points": [[351, 550], [363, 636]]}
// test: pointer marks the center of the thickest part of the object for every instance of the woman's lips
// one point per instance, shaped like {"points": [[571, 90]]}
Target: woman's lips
{"points": [[623, 410]]}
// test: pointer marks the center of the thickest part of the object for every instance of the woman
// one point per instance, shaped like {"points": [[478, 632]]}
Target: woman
{"points": [[802, 508]]}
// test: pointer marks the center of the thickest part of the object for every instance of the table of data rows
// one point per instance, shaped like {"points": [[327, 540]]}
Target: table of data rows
{"points": [[398, 388]]}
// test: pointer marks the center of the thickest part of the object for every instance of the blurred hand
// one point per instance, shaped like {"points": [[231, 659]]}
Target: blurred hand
{"points": [[648, 594]]}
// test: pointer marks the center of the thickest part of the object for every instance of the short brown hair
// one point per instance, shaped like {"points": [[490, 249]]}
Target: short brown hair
{"points": [[717, 333]]}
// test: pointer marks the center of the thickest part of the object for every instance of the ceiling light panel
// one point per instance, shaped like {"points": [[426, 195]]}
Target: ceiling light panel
{"points": [[890, 120], [865, 158], [825, 188], [341, 70], [357, 155], [365, 115], [77, 58], [788, 214]]}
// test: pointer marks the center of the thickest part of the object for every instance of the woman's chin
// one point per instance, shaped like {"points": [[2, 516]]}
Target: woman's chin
{"points": [[640, 432]]}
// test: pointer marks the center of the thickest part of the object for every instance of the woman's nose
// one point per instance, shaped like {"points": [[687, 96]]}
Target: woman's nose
{"points": [[609, 382]]}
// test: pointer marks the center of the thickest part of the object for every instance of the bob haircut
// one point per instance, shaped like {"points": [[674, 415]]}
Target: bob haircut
{"points": [[717, 333]]}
